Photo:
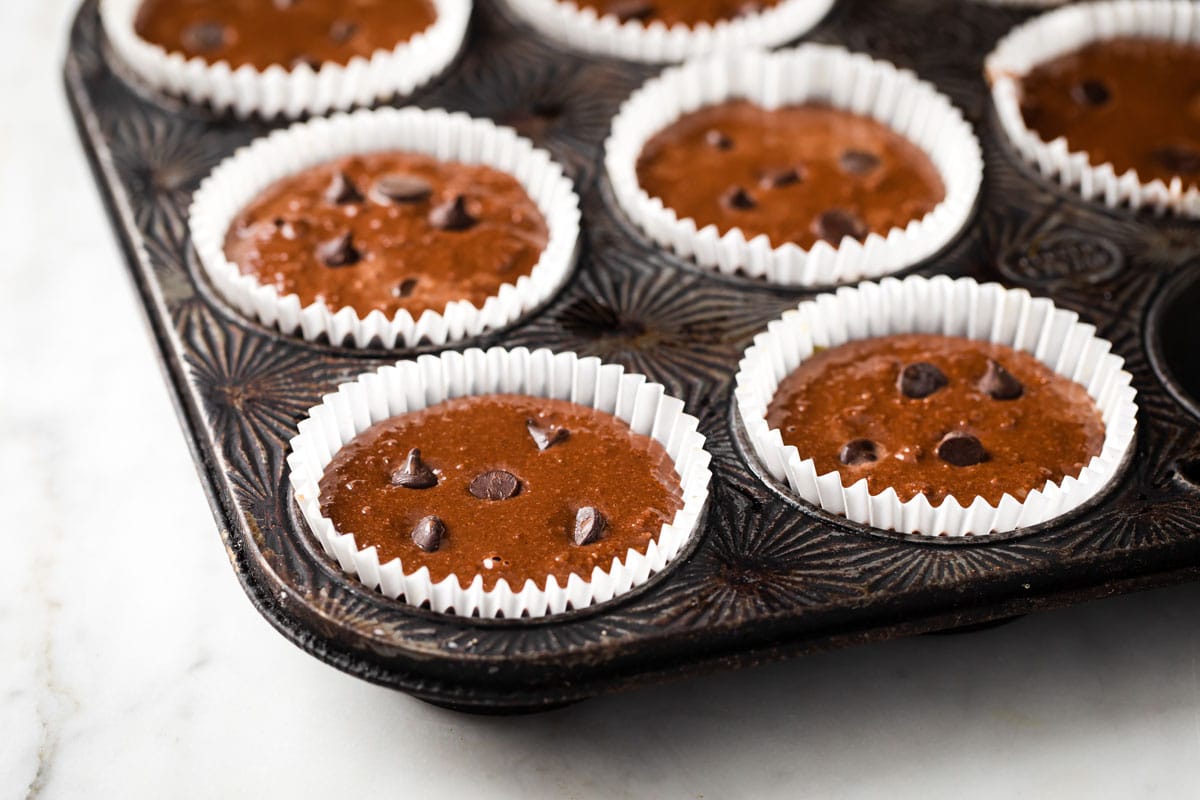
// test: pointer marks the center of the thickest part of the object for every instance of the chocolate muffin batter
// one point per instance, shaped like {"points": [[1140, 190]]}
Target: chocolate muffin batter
{"points": [[676, 12], [1131, 102], [503, 486], [386, 231], [284, 32], [798, 174], [938, 415]]}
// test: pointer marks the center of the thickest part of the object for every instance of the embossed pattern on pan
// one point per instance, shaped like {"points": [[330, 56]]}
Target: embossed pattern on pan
{"points": [[767, 577]]}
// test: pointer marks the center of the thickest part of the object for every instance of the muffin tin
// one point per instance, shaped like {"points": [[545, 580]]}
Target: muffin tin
{"points": [[767, 576]]}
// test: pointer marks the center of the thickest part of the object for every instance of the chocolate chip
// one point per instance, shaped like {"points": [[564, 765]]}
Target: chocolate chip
{"points": [[342, 30], [401, 188], [626, 10], [545, 438], [452, 215], [738, 198], [428, 533], [1181, 160], [405, 287], [342, 190], [1090, 92], [858, 162], [415, 474], [338, 251], [920, 379], [961, 450], [999, 383], [714, 138], [203, 37], [778, 178], [858, 451], [589, 524], [836, 224], [495, 485]]}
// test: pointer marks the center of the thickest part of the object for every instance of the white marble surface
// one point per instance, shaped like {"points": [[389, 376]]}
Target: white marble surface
{"points": [[131, 664]]}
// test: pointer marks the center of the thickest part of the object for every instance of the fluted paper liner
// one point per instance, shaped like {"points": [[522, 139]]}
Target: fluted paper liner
{"points": [[413, 385], [635, 40], [963, 307], [446, 136], [811, 73], [1024, 3], [1062, 31], [280, 90]]}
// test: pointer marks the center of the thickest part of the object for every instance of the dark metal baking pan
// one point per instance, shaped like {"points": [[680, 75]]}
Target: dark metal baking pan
{"points": [[770, 577]]}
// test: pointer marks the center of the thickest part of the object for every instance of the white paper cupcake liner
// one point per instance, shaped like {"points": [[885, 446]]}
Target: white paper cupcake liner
{"points": [[811, 73], [1023, 3], [446, 136], [963, 307], [1060, 32], [279, 91], [584, 29], [413, 385]]}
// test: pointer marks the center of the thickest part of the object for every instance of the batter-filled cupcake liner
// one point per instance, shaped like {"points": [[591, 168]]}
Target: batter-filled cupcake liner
{"points": [[446, 136], [288, 91], [413, 385], [965, 308], [810, 73], [636, 40], [1062, 31]]}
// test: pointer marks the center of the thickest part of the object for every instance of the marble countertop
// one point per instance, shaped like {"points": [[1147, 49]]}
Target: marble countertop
{"points": [[132, 665]]}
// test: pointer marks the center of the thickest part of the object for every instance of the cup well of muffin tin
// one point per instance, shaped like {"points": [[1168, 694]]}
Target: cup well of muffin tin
{"points": [[767, 576], [1172, 337]]}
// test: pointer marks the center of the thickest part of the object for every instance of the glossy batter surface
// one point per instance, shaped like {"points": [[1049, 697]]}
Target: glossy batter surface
{"points": [[407, 248], [853, 393], [676, 12], [1134, 103], [798, 173], [284, 32], [600, 463]]}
